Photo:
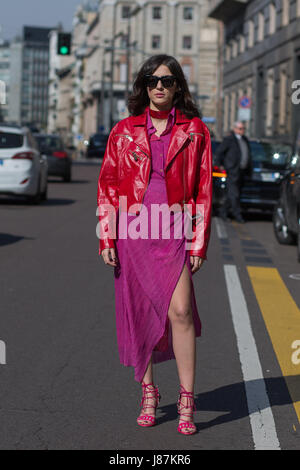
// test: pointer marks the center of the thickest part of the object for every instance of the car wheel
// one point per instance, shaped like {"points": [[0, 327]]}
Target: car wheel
{"points": [[67, 178], [44, 194], [282, 233], [36, 199]]}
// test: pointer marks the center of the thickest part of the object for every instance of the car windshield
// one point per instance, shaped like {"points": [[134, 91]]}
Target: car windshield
{"points": [[267, 155], [99, 139], [8, 140], [49, 143]]}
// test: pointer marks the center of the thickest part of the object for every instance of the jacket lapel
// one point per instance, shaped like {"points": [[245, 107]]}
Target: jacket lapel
{"points": [[177, 140]]}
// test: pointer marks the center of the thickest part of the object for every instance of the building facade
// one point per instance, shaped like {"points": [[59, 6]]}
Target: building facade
{"points": [[5, 61], [111, 42], [261, 62], [180, 28], [29, 77]]}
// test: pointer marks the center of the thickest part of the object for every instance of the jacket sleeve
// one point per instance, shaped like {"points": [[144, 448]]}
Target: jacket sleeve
{"points": [[202, 222], [108, 196]]}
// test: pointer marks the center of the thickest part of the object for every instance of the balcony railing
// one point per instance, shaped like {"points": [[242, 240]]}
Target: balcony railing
{"points": [[225, 9]]}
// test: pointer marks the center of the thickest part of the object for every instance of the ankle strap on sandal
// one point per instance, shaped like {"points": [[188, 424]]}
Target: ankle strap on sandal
{"points": [[154, 393], [190, 405]]}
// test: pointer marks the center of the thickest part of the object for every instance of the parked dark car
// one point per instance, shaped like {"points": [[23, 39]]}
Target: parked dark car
{"points": [[271, 162], [59, 160], [261, 190], [96, 146], [286, 216]]}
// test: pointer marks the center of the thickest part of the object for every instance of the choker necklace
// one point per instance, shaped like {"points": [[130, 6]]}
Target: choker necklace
{"points": [[159, 114]]}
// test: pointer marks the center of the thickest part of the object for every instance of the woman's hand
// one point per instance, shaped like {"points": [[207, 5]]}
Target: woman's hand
{"points": [[109, 256], [196, 263]]}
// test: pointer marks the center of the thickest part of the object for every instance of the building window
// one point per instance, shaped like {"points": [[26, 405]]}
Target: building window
{"points": [[187, 72], [272, 18], [234, 48], [226, 113], [188, 13], [125, 12], [232, 107], [187, 42], [282, 101], [156, 13], [155, 42], [250, 33], [228, 52], [123, 41], [261, 27], [123, 73], [285, 12], [241, 44], [270, 102]]}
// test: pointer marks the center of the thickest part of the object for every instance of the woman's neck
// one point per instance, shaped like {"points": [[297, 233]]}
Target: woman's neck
{"points": [[167, 107]]}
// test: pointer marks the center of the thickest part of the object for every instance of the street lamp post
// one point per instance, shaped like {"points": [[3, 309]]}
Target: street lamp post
{"points": [[102, 98]]}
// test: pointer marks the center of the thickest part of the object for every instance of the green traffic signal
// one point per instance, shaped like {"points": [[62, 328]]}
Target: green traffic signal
{"points": [[64, 42], [64, 50]]}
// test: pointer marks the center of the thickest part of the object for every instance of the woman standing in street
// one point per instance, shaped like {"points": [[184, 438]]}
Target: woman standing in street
{"points": [[160, 156]]}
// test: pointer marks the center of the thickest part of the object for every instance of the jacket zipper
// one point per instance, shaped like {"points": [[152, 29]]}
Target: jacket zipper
{"points": [[126, 135], [195, 133], [131, 140], [135, 156]]}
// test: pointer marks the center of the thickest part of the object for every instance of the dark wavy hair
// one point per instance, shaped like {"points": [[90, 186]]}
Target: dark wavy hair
{"points": [[183, 100]]}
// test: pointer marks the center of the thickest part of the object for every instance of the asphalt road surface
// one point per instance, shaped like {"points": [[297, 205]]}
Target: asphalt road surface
{"points": [[62, 385]]}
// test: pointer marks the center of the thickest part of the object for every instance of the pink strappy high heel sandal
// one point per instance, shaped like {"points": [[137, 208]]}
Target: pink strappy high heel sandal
{"points": [[187, 427], [148, 420]]}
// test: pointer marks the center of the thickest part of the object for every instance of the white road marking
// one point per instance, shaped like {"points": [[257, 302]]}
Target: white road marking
{"points": [[260, 412], [221, 229], [2, 353]]}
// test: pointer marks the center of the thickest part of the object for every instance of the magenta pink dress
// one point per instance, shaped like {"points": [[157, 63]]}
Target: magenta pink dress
{"points": [[148, 272]]}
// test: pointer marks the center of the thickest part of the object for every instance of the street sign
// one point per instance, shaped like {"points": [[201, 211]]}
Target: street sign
{"points": [[209, 119], [245, 102], [244, 114]]}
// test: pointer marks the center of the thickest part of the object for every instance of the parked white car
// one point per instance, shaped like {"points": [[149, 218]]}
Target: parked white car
{"points": [[23, 170]]}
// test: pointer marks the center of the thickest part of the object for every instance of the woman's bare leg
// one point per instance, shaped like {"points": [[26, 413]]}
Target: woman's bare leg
{"points": [[183, 332], [148, 377], [150, 400]]}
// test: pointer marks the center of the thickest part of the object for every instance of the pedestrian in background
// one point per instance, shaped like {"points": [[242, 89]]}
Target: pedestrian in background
{"points": [[234, 155], [160, 154]]}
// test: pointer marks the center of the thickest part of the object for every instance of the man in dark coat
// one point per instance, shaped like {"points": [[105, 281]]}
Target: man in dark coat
{"points": [[234, 155]]}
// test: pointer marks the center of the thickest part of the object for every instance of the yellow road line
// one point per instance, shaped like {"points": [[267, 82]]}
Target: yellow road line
{"points": [[282, 319], [241, 231]]}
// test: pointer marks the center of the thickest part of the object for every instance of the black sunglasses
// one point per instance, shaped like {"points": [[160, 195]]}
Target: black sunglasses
{"points": [[167, 81]]}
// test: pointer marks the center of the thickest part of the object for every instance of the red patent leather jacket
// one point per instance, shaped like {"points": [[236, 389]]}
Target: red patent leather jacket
{"points": [[126, 167]]}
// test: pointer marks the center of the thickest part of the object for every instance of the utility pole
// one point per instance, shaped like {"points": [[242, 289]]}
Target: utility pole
{"points": [[102, 98], [128, 45], [128, 59], [112, 63]]}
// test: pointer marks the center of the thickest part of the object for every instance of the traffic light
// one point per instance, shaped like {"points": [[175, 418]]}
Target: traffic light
{"points": [[64, 43]]}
